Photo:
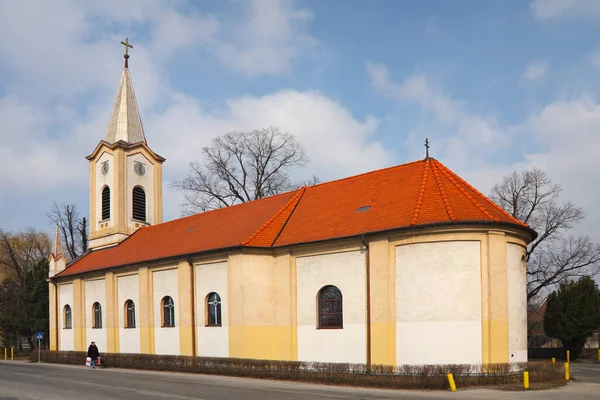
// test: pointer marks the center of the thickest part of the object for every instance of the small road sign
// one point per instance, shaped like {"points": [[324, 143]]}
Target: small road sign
{"points": [[39, 335]]}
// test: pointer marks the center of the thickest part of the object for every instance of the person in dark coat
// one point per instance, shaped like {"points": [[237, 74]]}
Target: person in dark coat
{"points": [[93, 353]]}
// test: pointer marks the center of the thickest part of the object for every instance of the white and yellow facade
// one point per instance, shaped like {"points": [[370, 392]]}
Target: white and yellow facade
{"points": [[447, 293]]}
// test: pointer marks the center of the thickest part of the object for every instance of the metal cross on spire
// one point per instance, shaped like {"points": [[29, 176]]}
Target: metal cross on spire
{"points": [[127, 47], [426, 148]]}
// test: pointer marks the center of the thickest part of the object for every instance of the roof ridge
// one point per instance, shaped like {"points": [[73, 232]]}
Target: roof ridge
{"points": [[442, 190], [496, 206], [446, 172], [274, 216], [365, 173], [421, 193]]}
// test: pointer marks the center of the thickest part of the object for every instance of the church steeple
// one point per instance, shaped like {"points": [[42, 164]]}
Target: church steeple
{"points": [[57, 259], [125, 174], [125, 122]]}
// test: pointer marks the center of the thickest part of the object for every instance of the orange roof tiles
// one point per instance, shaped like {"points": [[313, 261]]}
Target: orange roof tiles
{"points": [[419, 193]]}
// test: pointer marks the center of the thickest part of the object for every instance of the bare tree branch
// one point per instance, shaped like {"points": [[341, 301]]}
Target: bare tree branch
{"points": [[72, 228], [20, 252], [554, 256], [240, 167]]}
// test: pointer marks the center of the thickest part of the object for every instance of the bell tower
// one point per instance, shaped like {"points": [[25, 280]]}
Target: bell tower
{"points": [[125, 174]]}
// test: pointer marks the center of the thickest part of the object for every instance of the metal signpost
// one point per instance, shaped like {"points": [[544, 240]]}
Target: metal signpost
{"points": [[39, 336]]}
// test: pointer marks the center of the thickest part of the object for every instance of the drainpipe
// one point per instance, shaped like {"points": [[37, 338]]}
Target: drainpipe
{"points": [[193, 290], [368, 278]]}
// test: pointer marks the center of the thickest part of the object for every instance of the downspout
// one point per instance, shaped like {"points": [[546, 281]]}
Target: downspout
{"points": [[368, 278], [192, 281]]}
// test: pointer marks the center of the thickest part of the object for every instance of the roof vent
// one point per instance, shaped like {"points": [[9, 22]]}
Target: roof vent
{"points": [[364, 208], [190, 229]]}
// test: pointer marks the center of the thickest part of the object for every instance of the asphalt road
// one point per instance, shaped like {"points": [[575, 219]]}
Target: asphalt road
{"points": [[20, 381]]}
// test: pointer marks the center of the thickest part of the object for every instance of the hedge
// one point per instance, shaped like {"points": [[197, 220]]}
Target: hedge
{"points": [[541, 374]]}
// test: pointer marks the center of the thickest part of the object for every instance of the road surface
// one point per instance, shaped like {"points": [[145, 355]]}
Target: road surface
{"points": [[20, 381]]}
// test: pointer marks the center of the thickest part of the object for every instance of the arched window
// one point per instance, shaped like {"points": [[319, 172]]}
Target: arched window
{"points": [[213, 309], [139, 203], [168, 311], [330, 308], [105, 203], [67, 317], [96, 315], [129, 314]]}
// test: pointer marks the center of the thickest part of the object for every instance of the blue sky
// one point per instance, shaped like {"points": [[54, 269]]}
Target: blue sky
{"points": [[497, 86]]}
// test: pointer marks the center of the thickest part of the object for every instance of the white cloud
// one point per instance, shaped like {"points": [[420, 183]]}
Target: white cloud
{"points": [[45, 134], [458, 129], [535, 71], [269, 37], [565, 9]]}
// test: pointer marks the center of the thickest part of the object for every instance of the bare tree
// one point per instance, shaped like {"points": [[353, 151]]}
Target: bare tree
{"points": [[19, 252], [240, 167], [72, 228], [555, 255]]}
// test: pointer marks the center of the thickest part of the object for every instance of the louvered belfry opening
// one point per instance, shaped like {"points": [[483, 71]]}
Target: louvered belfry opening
{"points": [[105, 203], [139, 204]]}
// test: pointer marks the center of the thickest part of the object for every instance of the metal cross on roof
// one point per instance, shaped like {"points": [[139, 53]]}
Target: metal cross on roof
{"points": [[127, 46], [426, 147]]}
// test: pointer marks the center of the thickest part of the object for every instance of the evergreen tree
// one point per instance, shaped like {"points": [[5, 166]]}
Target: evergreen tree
{"points": [[572, 314]]}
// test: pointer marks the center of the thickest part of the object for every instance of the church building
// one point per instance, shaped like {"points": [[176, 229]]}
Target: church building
{"points": [[403, 265]]}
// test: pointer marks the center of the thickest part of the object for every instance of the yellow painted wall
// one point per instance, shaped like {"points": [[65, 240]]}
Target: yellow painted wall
{"points": [[79, 315], [260, 323], [146, 314], [53, 301], [185, 309], [112, 322], [383, 303]]}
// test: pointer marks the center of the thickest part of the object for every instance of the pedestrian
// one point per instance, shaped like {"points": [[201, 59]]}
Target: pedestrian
{"points": [[93, 353]]}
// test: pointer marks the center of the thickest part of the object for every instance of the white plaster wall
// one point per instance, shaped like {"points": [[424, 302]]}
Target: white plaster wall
{"points": [[212, 341], [166, 340], [346, 271], [105, 180], [95, 291], [438, 303], [146, 181], [127, 289], [67, 336], [517, 304]]}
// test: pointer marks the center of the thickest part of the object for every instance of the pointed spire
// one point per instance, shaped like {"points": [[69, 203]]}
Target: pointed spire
{"points": [[57, 249], [125, 122]]}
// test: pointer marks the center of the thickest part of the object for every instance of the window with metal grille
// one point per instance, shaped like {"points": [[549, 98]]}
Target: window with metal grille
{"points": [[139, 204], [330, 308], [68, 319], [105, 203], [168, 314], [97, 315], [129, 314], [213, 308]]}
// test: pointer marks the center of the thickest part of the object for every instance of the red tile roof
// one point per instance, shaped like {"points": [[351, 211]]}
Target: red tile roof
{"points": [[419, 193]]}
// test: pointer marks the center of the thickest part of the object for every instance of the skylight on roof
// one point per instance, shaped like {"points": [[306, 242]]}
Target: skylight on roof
{"points": [[363, 208]]}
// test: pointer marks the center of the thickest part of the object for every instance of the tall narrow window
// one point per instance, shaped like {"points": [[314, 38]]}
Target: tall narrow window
{"points": [[96, 315], [139, 203], [168, 311], [67, 317], [213, 308], [129, 314], [105, 203], [330, 308]]}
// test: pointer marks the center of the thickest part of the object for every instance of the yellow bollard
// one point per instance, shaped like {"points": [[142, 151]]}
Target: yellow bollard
{"points": [[525, 380], [451, 382], [5, 354], [12, 353], [598, 355], [568, 356], [567, 377], [553, 363]]}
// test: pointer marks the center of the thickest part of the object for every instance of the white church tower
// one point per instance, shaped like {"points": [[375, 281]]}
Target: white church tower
{"points": [[125, 174]]}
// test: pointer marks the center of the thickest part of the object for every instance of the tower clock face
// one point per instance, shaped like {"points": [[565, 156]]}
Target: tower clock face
{"points": [[139, 168], [104, 167]]}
